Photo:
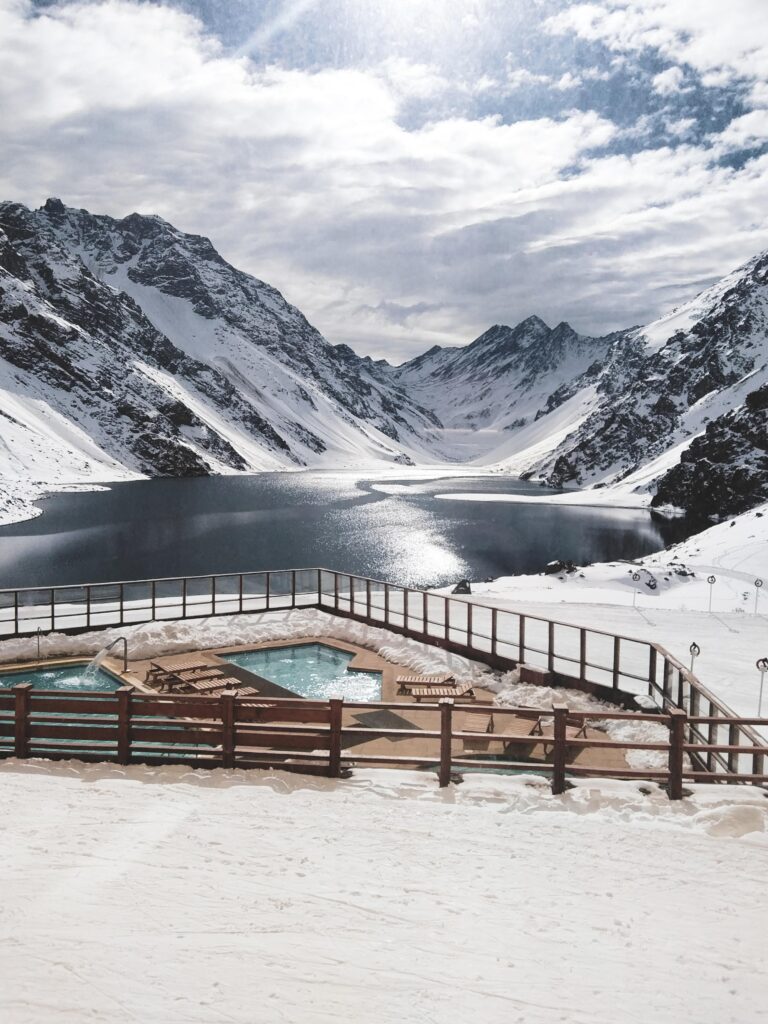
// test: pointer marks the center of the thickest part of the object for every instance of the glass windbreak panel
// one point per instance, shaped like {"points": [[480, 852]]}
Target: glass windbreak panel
{"points": [[344, 602], [35, 610], [7, 613], [435, 624], [137, 602], [360, 597], [105, 605], [567, 646], [396, 604], [280, 590], [481, 628], [327, 589], [634, 666], [227, 593], [457, 622], [508, 635], [415, 619], [536, 642], [169, 599], [377, 602], [599, 658], [306, 587], [69, 607], [254, 592], [200, 596]]}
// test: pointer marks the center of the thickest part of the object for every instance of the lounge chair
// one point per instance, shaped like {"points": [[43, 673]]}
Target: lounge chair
{"points": [[406, 683], [456, 690]]}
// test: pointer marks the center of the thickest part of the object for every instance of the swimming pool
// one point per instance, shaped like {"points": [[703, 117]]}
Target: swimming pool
{"points": [[315, 671], [67, 678]]}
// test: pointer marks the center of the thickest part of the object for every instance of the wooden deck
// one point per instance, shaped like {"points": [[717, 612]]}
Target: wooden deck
{"points": [[511, 736]]}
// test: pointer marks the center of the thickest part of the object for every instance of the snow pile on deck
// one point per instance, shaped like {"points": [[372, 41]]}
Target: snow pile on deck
{"points": [[192, 897], [169, 637]]}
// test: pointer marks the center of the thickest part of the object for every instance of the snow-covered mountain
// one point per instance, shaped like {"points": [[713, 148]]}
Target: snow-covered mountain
{"points": [[618, 413], [128, 348]]}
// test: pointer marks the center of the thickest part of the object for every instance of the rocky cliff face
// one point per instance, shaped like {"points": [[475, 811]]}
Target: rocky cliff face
{"points": [[724, 471], [173, 362]]}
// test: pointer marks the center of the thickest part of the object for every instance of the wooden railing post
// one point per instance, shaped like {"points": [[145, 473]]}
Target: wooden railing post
{"points": [[582, 655], [469, 624], [425, 613], [293, 588], [677, 722], [616, 660], [386, 604], [447, 619], [124, 724], [494, 629], [733, 740], [551, 647], [334, 738], [559, 747], [446, 740], [368, 600], [21, 719], [268, 589], [336, 591], [228, 728]]}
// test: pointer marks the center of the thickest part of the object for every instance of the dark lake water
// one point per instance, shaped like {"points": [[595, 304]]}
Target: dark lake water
{"points": [[160, 528]]}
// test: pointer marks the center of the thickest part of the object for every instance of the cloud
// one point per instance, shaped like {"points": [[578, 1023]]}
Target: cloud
{"points": [[390, 236], [721, 42], [668, 82]]}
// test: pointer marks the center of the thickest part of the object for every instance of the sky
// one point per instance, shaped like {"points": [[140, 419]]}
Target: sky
{"points": [[410, 172]]}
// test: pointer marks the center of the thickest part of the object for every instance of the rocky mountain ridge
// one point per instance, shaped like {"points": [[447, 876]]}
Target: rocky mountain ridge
{"points": [[129, 348]]}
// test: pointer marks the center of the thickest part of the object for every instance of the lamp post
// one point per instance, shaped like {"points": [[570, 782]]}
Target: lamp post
{"points": [[695, 652], [762, 668]]}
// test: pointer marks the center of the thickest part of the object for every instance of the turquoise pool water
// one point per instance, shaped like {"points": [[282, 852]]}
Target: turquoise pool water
{"points": [[67, 678], [315, 671]]}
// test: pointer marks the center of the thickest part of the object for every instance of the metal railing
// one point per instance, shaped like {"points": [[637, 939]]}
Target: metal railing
{"points": [[609, 665]]}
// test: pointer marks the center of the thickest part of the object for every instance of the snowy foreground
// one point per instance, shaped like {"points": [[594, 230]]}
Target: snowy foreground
{"points": [[138, 894]]}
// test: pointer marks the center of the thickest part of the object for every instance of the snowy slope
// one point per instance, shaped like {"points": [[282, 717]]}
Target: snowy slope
{"points": [[193, 897], [490, 395]]}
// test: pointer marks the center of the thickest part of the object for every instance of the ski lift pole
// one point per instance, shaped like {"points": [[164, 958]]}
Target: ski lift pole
{"points": [[758, 584], [635, 578], [762, 668], [711, 580]]}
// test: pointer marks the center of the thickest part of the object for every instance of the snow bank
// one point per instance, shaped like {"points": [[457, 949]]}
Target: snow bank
{"points": [[169, 637], [188, 897]]}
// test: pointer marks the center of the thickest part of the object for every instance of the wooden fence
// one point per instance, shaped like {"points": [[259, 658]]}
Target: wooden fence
{"points": [[609, 665], [230, 731]]}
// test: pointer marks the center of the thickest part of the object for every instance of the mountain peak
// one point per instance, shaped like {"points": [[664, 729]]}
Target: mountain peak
{"points": [[55, 206]]}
